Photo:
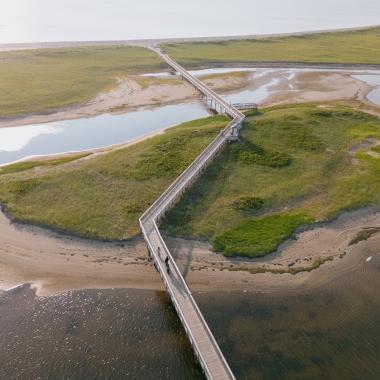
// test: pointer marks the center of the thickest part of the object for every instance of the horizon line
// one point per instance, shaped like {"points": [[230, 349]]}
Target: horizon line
{"points": [[9, 46]]}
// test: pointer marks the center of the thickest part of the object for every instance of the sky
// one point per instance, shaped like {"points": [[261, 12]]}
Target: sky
{"points": [[90, 20]]}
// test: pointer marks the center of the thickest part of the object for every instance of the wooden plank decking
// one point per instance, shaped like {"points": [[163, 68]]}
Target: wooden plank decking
{"points": [[204, 344]]}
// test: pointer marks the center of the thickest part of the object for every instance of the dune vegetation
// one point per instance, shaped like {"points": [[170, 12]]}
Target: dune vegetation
{"points": [[294, 165], [102, 196], [346, 47], [44, 80]]}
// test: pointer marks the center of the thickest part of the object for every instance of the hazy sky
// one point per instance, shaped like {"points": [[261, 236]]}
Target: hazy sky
{"points": [[65, 20]]}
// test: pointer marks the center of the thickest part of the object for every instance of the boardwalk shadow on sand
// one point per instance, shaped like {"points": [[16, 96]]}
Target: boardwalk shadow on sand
{"points": [[183, 255]]}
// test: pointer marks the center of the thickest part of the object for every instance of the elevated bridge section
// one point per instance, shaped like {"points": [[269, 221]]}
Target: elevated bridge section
{"points": [[203, 342]]}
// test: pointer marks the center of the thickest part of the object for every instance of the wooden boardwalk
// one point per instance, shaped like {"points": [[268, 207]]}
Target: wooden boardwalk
{"points": [[203, 342]]}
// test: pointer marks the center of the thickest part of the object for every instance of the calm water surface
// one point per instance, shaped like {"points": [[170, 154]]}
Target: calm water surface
{"points": [[84, 134], [262, 92], [46, 20], [332, 332], [93, 334], [373, 80]]}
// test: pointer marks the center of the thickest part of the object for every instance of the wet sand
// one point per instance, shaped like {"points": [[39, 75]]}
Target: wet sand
{"points": [[132, 93], [329, 242], [53, 263]]}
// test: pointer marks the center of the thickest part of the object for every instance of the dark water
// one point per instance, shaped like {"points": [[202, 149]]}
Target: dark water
{"points": [[332, 332], [92, 334]]}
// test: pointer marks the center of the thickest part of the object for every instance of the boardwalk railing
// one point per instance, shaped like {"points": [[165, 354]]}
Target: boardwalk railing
{"points": [[204, 344]]}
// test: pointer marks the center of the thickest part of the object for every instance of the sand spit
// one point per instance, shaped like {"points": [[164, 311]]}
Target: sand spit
{"points": [[130, 94], [54, 263]]}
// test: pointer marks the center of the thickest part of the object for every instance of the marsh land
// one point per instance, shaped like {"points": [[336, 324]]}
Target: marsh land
{"points": [[286, 220]]}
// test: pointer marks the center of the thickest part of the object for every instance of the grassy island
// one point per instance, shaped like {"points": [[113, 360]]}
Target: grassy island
{"points": [[294, 165]]}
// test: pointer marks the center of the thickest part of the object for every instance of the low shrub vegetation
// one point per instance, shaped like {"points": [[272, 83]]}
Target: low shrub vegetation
{"points": [[259, 236], [103, 197], [44, 80], [27, 165], [249, 153], [248, 203], [315, 180]]}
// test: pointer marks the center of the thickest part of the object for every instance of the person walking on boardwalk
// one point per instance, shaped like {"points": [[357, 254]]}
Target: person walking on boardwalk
{"points": [[159, 251], [167, 264]]}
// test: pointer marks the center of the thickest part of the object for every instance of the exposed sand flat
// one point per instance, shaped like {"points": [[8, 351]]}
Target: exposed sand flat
{"points": [[318, 87], [328, 240], [54, 263], [132, 93]]}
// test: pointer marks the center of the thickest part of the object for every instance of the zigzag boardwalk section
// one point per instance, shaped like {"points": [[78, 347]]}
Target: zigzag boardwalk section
{"points": [[202, 340]]}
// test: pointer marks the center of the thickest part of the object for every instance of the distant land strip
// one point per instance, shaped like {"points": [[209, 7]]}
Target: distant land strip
{"points": [[149, 42]]}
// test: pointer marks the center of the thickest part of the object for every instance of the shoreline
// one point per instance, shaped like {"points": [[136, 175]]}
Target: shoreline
{"points": [[54, 263], [306, 87], [104, 103], [91, 152]]}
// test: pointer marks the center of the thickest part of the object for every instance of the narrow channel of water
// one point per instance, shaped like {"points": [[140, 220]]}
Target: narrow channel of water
{"points": [[372, 80], [259, 94], [105, 130], [90, 133]]}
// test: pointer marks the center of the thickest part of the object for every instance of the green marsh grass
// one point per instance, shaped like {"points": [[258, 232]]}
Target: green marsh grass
{"points": [[103, 197], [347, 47], [45, 80], [322, 179]]}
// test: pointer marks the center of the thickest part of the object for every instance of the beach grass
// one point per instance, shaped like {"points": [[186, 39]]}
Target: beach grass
{"points": [[102, 197], [321, 179], [45, 80], [257, 237], [346, 47], [292, 166], [27, 165]]}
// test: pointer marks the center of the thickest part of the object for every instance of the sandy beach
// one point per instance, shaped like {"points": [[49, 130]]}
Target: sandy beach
{"points": [[54, 263]]}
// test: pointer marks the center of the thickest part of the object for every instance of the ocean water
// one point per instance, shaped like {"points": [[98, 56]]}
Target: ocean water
{"points": [[331, 332], [78, 20], [93, 334]]}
